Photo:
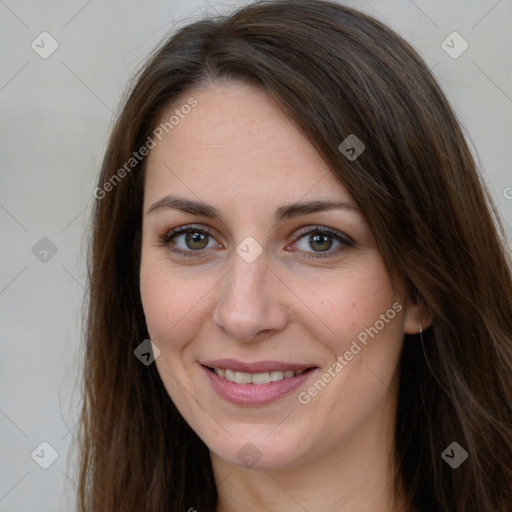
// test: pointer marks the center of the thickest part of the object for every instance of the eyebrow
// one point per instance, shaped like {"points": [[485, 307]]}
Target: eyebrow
{"points": [[289, 211]]}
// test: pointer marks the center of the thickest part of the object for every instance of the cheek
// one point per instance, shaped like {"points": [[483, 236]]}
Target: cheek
{"points": [[362, 328], [169, 300], [345, 306]]}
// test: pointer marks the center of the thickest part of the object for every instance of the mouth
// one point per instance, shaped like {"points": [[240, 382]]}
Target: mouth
{"points": [[253, 384], [256, 378]]}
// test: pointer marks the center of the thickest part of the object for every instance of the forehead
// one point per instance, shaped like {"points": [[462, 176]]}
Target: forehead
{"points": [[236, 145]]}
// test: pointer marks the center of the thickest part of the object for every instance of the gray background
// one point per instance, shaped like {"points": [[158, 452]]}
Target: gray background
{"points": [[56, 114]]}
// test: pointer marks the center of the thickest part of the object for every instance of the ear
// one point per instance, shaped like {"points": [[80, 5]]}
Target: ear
{"points": [[416, 312]]}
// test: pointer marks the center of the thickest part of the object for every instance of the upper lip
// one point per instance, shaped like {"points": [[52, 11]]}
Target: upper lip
{"points": [[255, 366]]}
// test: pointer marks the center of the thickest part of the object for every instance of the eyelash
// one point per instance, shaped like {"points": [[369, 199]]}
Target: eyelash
{"points": [[343, 239]]}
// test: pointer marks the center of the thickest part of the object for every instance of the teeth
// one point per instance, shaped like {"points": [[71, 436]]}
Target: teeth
{"points": [[276, 376], [260, 378], [256, 378], [242, 378], [230, 375]]}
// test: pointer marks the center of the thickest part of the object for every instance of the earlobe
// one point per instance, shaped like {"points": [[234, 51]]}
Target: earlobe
{"points": [[418, 316]]}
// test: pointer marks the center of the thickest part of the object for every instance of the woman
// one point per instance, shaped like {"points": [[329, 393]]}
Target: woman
{"points": [[289, 211]]}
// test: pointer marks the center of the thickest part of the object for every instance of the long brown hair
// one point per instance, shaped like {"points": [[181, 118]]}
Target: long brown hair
{"points": [[336, 72]]}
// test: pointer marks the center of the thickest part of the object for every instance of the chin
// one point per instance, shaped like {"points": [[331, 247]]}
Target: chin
{"points": [[255, 452]]}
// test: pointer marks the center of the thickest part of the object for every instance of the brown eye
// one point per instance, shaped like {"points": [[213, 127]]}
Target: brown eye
{"points": [[317, 242], [320, 242], [188, 240], [196, 240]]}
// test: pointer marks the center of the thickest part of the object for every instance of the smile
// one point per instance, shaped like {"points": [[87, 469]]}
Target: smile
{"points": [[256, 387], [255, 378]]}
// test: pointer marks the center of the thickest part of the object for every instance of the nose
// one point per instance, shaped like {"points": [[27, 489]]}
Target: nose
{"points": [[250, 301]]}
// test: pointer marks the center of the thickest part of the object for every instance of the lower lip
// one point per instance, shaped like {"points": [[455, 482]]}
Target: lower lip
{"points": [[255, 394]]}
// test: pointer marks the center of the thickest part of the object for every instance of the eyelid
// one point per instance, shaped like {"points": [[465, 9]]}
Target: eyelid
{"points": [[341, 237], [181, 230]]}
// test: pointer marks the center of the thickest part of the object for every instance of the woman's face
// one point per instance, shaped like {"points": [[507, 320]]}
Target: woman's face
{"points": [[268, 278]]}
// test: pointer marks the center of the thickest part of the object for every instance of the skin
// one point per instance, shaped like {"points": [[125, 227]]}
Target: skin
{"points": [[239, 153]]}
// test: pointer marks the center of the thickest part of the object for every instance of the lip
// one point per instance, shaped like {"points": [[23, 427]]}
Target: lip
{"points": [[256, 366], [256, 394]]}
